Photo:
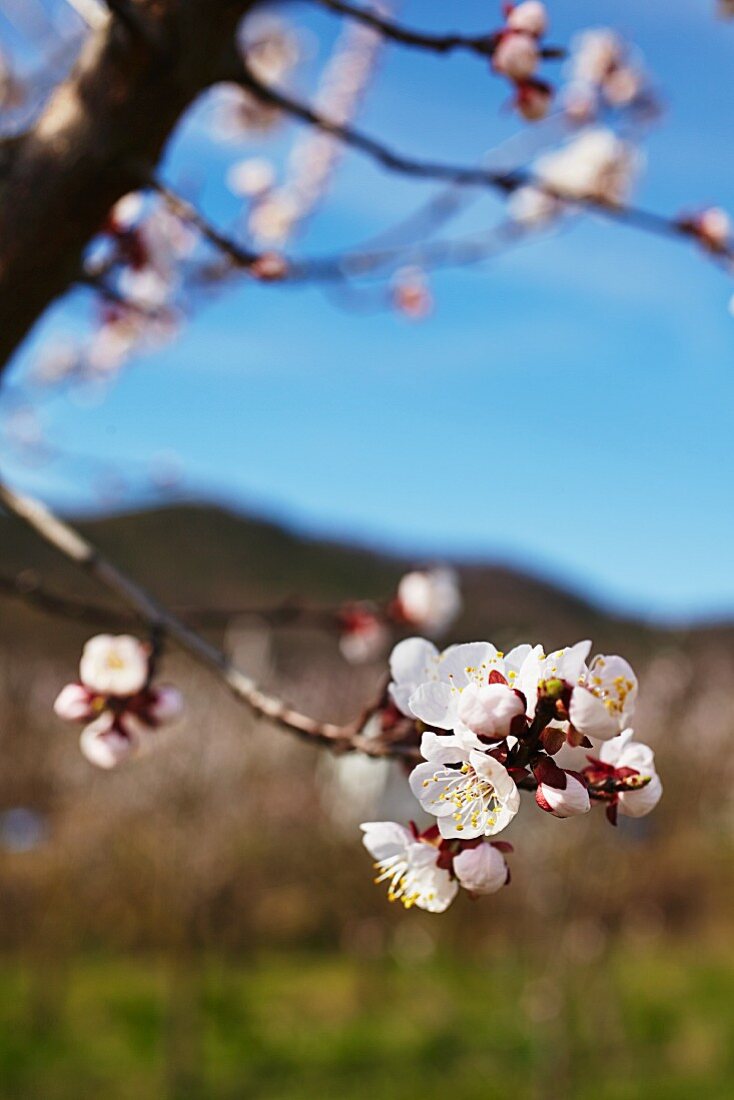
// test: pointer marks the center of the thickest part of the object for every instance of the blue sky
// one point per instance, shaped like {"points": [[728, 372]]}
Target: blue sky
{"points": [[568, 407]]}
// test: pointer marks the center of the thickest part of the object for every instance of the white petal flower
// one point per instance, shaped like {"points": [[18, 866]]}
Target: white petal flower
{"points": [[532, 207], [428, 684], [116, 666], [595, 165], [409, 867], [127, 210], [430, 598], [251, 177], [104, 744], [412, 662], [481, 870], [595, 54], [478, 798], [516, 56], [624, 752], [604, 698], [530, 16], [566, 664]]}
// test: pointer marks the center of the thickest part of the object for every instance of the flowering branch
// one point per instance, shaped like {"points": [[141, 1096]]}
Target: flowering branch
{"points": [[484, 44], [506, 182], [164, 624]]}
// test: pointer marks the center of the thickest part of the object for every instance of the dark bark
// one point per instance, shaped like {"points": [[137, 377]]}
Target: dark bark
{"points": [[103, 130]]}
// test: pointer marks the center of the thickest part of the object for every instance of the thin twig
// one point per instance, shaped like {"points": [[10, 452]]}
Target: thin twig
{"points": [[188, 212], [26, 589], [112, 295]]}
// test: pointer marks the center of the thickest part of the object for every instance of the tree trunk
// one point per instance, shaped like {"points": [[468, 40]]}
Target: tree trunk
{"points": [[102, 131]]}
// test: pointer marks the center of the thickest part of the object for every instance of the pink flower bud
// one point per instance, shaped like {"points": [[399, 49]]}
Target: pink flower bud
{"points": [[411, 294], [530, 17], [569, 801], [712, 227], [363, 635], [490, 709], [533, 99], [481, 870], [166, 705], [269, 267], [104, 744], [74, 703], [516, 56]]}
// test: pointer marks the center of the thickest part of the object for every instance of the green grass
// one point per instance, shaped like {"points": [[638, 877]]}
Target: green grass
{"points": [[639, 1023]]}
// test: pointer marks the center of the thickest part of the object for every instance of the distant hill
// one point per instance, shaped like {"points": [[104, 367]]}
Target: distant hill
{"points": [[204, 555]]}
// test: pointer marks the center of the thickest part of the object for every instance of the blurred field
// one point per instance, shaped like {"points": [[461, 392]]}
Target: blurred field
{"points": [[645, 1022]]}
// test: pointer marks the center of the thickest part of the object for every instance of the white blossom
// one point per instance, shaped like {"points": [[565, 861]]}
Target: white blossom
{"points": [[595, 54], [477, 798], [567, 665], [251, 177], [530, 16], [409, 866], [595, 164], [516, 56], [430, 598], [624, 752], [604, 698], [127, 210], [114, 666], [427, 684]]}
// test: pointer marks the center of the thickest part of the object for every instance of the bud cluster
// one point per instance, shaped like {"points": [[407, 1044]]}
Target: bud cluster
{"points": [[517, 55], [116, 700]]}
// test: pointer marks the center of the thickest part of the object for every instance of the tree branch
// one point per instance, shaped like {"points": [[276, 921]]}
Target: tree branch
{"points": [[164, 623], [505, 182], [128, 13], [484, 45]]}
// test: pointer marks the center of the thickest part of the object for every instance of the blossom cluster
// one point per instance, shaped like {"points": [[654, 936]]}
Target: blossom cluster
{"points": [[425, 599], [276, 212], [605, 74], [594, 165], [115, 699], [502, 719]]}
